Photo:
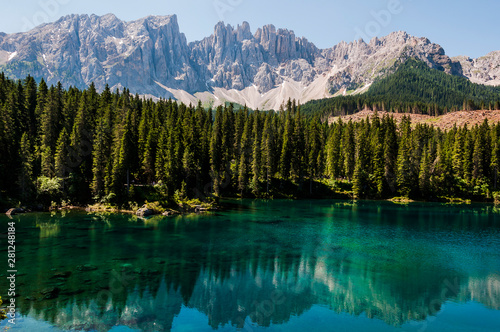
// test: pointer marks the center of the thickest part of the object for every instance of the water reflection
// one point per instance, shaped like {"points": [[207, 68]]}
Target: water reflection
{"points": [[257, 265]]}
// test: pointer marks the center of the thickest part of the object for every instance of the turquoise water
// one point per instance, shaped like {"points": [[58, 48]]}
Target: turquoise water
{"points": [[260, 266]]}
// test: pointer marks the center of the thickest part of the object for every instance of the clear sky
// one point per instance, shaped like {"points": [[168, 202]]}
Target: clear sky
{"points": [[462, 27]]}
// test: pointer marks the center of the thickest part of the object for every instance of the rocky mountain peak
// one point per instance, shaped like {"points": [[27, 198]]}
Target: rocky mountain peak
{"points": [[485, 70], [398, 37], [223, 35], [151, 56], [243, 32]]}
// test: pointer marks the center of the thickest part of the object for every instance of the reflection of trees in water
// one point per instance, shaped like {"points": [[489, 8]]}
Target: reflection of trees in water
{"points": [[485, 291], [142, 310], [235, 272], [51, 227], [265, 293]]}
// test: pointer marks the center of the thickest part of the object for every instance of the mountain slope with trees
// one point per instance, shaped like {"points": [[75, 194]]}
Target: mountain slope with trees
{"points": [[413, 88]]}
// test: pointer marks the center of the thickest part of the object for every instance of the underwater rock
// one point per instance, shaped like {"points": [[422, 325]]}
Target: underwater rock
{"points": [[61, 275], [86, 267], [50, 293]]}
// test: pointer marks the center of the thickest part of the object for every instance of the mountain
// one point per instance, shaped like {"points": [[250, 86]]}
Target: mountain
{"points": [[483, 70], [412, 88], [151, 57], [413, 82]]}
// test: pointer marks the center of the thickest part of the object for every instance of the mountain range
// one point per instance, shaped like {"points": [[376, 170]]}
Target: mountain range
{"points": [[151, 57]]}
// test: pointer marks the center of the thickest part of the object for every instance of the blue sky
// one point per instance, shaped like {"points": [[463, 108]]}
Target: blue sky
{"points": [[461, 27]]}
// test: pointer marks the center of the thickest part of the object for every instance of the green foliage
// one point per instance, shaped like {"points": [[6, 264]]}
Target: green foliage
{"points": [[496, 197], [155, 206], [49, 186], [3, 314], [108, 199], [120, 150], [49, 189]]}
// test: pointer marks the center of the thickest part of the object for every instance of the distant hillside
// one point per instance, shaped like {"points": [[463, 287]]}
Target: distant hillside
{"points": [[414, 81], [413, 88], [445, 122]]}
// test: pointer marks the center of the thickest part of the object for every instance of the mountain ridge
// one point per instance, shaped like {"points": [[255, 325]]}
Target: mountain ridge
{"points": [[151, 57]]}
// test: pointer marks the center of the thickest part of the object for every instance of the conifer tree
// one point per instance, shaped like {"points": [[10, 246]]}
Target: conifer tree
{"points": [[30, 98], [495, 154], [314, 151], [459, 155], [50, 126], [404, 164], [25, 179], [287, 147], [256, 154], [162, 156], [424, 175], [268, 149], [101, 155], [298, 147], [360, 173], [478, 158], [41, 98], [333, 155], [61, 157], [216, 158], [378, 163], [244, 156], [348, 150], [124, 158]]}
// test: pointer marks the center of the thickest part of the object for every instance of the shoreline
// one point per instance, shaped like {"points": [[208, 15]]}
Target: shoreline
{"points": [[97, 208]]}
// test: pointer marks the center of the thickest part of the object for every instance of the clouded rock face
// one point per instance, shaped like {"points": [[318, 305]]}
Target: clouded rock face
{"points": [[151, 57]]}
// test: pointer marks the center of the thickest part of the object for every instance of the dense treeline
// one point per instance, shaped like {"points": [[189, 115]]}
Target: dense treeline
{"points": [[413, 88], [383, 160], [58, 144]]}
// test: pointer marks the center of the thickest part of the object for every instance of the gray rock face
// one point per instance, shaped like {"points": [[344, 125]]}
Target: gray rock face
{"points": [[236, 59], [80, 49], [483, 70], [360, 63], [150, 56]]}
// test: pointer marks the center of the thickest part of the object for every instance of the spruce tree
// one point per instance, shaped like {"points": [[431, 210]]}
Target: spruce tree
{"points": [[349, 150], [256, 154], [424, 175], [404, 165], [314, 151], [25, 179], [101, 155], [268, 149], [495, 154], [287, 147], [245, 148], [61, 158], [216, 157], [378, 163]]}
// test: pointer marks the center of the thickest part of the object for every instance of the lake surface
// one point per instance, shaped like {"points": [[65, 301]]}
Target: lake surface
{"points": [[261, 266]]}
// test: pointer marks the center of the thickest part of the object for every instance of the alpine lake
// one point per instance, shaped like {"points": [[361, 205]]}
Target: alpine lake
{"points": [[255, 265]]}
